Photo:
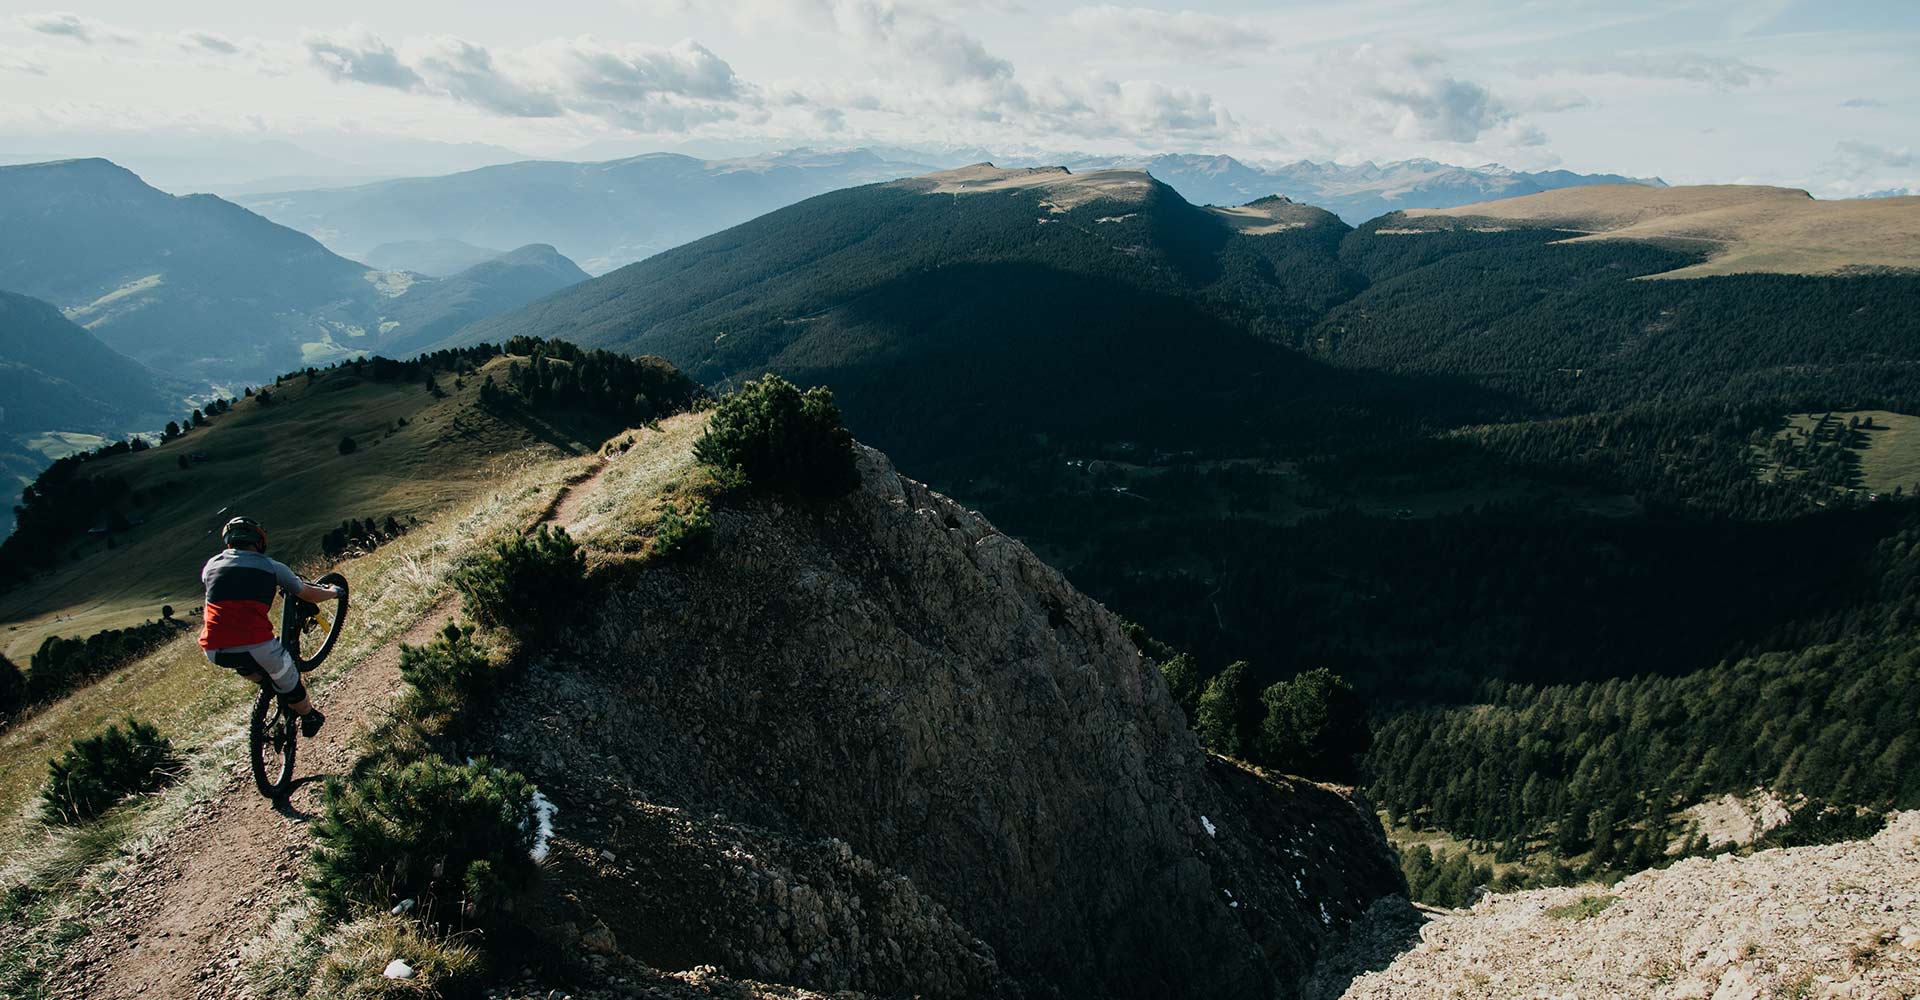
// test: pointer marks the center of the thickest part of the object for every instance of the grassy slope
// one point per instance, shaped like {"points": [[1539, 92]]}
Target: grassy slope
{"points": [[202, 712], [281, 464], [1892, 454]]}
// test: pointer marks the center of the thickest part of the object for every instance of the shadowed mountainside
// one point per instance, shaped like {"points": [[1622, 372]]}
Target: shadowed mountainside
{"points": [[892, 672]]}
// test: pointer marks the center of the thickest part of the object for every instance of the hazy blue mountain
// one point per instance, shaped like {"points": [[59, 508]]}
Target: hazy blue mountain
{"points": [[1355, 193], [601, 214], [434, 310], [54, 375], [57, 379], [229, 165], [435, 258], [199, 286]]}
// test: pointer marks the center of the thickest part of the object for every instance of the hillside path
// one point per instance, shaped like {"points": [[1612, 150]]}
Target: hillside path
{"points": [[178, 918], [570, 503]]}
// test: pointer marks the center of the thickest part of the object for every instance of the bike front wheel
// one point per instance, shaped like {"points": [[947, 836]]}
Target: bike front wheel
{"points": [[274, 737], [307, 630]]}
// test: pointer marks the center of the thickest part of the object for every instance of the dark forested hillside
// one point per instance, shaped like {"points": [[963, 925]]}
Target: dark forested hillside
{"points": [[1501, 482], [958, 325], [1566, 327]]}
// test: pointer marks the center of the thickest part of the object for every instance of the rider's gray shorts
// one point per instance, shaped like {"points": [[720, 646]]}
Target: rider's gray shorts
{"points": [[270, 658]]}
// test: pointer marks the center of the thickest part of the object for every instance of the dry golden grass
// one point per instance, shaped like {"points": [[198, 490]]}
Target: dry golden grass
{"points": [[279, 463], [201, 709], [1746, 228], [1064, 189], [356, 957], [656, 470], [1891, 457], [1269, 215]]}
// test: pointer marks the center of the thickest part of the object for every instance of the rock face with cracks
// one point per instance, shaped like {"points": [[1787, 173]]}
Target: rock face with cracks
{"points": [[858, 732]]}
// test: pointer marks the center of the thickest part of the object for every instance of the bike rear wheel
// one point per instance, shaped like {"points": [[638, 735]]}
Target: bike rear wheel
{"points": [[308, 630], [275, 737]]}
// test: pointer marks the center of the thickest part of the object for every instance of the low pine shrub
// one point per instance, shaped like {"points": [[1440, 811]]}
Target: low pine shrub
{"points": [[526, 584], [428, 830], [13, 689], [684, 533], [781, 439], [62, 664], [100, 770], [447, 673], [1817, 822]]}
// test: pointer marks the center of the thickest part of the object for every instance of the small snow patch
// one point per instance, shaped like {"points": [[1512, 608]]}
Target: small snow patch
{"points": [[1211, 832], [543, 810]]}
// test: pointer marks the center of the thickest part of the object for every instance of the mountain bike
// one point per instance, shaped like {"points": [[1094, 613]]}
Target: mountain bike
{"points": [[308, 631]]}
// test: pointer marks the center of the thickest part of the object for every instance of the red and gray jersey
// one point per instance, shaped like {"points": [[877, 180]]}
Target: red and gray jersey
{"points": [[240, 585]]}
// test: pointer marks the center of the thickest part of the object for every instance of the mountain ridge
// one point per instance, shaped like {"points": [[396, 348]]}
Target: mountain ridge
{"points": [[198, 286], [1748, 228], [603, 213], [1357, 193]]}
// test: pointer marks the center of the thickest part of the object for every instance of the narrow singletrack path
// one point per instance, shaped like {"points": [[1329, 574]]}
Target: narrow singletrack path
{"points": [[177, 918]]}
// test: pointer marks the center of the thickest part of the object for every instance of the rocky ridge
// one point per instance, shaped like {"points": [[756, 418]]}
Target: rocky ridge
{"points": [[877, 745]]}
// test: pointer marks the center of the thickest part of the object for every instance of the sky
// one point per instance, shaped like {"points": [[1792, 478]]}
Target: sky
{"points": [[1822, 95]]}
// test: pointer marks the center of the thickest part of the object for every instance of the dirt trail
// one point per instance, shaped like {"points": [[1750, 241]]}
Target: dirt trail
{"points": [[178, 917], [568, 504]]}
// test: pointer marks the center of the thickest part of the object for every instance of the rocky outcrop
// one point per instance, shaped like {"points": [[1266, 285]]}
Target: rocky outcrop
{"points": [[891, 680], [1842, 920]]}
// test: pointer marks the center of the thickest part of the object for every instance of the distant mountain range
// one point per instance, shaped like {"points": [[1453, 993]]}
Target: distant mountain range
{"points": [[601, 214], [609, 213], [231, 164], [436, 258], [197, 286], [1356, 193]]}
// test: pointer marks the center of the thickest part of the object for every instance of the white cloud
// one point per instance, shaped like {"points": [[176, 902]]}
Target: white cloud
{"points": [[1867, 156], [641, 72], [1863, 102], [466, 72], [1693, 67], [12, 61], [209, 41], [359, 56], [640, 87], [1180, 33], [78, 27], [1412, 94]]}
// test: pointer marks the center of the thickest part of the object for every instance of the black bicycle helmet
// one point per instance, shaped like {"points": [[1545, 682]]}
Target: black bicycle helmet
{"points": [[244, 531]]}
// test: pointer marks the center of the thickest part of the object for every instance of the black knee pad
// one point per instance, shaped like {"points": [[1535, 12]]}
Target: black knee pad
{"points": [[295, 696]]}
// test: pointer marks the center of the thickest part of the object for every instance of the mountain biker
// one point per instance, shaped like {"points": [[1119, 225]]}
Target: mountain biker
{"points": [[236, 632]]}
